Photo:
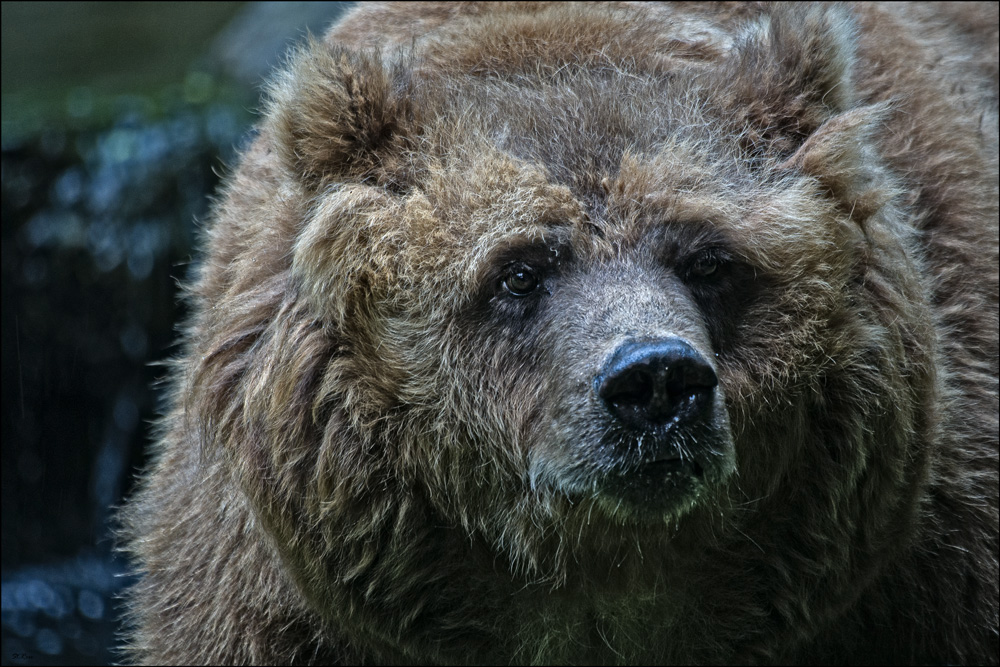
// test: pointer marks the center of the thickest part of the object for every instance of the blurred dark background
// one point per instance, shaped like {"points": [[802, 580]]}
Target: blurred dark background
{"points": [[118, 121]]}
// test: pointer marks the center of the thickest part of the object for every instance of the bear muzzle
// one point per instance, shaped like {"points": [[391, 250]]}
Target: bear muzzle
{"points": [[668, 433]]}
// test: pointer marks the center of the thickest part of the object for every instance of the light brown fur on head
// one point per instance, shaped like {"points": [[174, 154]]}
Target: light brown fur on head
{"points": [[532, 332]]}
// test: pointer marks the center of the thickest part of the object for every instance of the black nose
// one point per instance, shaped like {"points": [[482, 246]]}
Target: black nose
{"points": [[649, 384]]}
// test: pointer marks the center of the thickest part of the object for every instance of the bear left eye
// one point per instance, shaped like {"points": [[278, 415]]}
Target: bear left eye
{"points": [[706, 264], [521, 281], [704, 267]]}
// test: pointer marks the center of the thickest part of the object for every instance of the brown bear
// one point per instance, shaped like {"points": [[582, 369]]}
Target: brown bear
{"points": [[611, 333]]}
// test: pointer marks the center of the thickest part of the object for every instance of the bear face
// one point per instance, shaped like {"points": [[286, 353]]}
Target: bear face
{"points": [[523, 343], [558, 316]]}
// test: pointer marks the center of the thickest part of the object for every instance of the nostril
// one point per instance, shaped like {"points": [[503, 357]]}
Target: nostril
{"points": [[632, 387], [649, 383]]}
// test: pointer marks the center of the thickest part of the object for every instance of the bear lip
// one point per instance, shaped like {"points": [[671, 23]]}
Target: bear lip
{"points": [[664, 484], [665, 467]]}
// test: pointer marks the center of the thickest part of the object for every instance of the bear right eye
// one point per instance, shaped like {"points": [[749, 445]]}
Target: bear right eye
{"points": [[520, 281]]}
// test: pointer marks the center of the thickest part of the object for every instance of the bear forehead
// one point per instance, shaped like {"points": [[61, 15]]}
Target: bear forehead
{"points": [[575, 121], [495, 195], [483, 207], [497, 159]]}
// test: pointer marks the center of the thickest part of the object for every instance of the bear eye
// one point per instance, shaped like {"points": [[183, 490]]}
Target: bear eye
{"points": [[704, 267], [520, 281], [706, 264]]}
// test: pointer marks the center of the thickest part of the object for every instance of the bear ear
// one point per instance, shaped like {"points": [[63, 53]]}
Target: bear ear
{"points": [[789, 71], [339, 114], [787, 86], [840, 155]]}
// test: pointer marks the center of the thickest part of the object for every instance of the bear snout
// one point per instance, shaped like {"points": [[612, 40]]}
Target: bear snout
{"points": [[666, 435]]}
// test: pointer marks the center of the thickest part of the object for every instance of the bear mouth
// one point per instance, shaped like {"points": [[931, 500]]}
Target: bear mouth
{"points": [[664, 469], [663, 486], [663, 473]]}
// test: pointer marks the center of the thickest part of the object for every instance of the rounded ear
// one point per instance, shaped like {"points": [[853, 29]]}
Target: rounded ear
{"points": [[788, 73], [841, 157], [340, 114]]}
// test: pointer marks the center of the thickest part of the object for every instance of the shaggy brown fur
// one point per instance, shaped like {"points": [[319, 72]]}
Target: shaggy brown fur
{"points": [[614, 333]]}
